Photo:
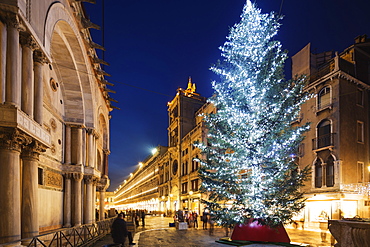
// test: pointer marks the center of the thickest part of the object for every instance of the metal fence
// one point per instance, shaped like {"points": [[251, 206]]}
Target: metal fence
{"points": [[79, 236]]}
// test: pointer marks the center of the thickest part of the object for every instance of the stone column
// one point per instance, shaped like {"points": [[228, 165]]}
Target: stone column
{"points": [[29, 213], [101, 203], [67, 200], [79, 146], [3, 39], [39, 60], [88, 214], [10, 189], [76, 197], [67, 145], [28, 45], [104, 171], [13, 85], [93, 209], [90, 148]]}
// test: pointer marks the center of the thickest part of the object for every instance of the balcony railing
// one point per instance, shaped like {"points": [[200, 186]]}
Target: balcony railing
{"points": [[323, 141], [83, 235]]}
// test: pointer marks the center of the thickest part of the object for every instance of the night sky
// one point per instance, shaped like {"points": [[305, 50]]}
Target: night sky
{"points": [[153, 46]]}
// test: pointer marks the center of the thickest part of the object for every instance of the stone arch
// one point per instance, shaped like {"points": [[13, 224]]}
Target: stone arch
{"points": [[103, 130], [64, 45]]}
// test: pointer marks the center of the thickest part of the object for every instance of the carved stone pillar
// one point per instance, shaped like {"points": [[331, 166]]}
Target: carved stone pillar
{"points": [[39, 60], [30, 220], [3, 38], [13, 85], [67, 200], [28, 44], [93, 209], [79, 146], [10, 189], [103, 185], [101, 203], [88, 213], [77, 199], [90, 148], [106, 153], [67, 145]]}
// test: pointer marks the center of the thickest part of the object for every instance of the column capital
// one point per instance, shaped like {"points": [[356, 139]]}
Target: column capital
{"points": [[27, 40], [33, 150], [106, 151], [13, 139], [89, 179], [77, 176], [68, 175], [11, 19], [39, 57]]}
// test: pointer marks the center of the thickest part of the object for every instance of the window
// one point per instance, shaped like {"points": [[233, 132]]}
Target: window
{"points": [[360, 132], [40, 173], [195, 185], [175, 167], [318, 174], [184, 187], [194, 165], [324, 136], [360, 97], [330, 172], [323, 100], [184, 168], [360, 172]]}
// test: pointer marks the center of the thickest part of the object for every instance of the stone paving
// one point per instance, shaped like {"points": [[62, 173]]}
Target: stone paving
{"points": [[157, 233]]}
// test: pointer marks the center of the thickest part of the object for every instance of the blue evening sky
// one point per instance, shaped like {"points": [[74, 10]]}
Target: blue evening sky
{"points": [[153, 46]]}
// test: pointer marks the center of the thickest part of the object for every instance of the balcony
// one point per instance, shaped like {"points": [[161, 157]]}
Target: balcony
{"points": [[335, 64], [324, 141]]}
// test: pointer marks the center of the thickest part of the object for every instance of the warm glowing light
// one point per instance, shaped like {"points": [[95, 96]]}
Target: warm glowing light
{"points": [[368, 168], [190, 192], [163, 197], [154, 151], [141, 164], [125, 181], [131, 174], [171, 195]]}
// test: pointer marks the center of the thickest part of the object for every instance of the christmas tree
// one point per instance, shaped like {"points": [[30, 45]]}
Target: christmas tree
{"points": [[249, 169]]}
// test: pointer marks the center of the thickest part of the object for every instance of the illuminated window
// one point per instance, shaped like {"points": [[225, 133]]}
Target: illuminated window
{"points": [[195, 185], [184, 188]]}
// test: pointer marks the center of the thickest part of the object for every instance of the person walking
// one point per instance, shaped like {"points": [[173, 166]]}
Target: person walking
{"points": [[195, 218], [205, 220], [119, 231], [142, 215]]}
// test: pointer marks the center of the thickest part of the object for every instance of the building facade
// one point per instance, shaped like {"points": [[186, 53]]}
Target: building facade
{"points": [[336, 146], [168, 180], [54, 118]]}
